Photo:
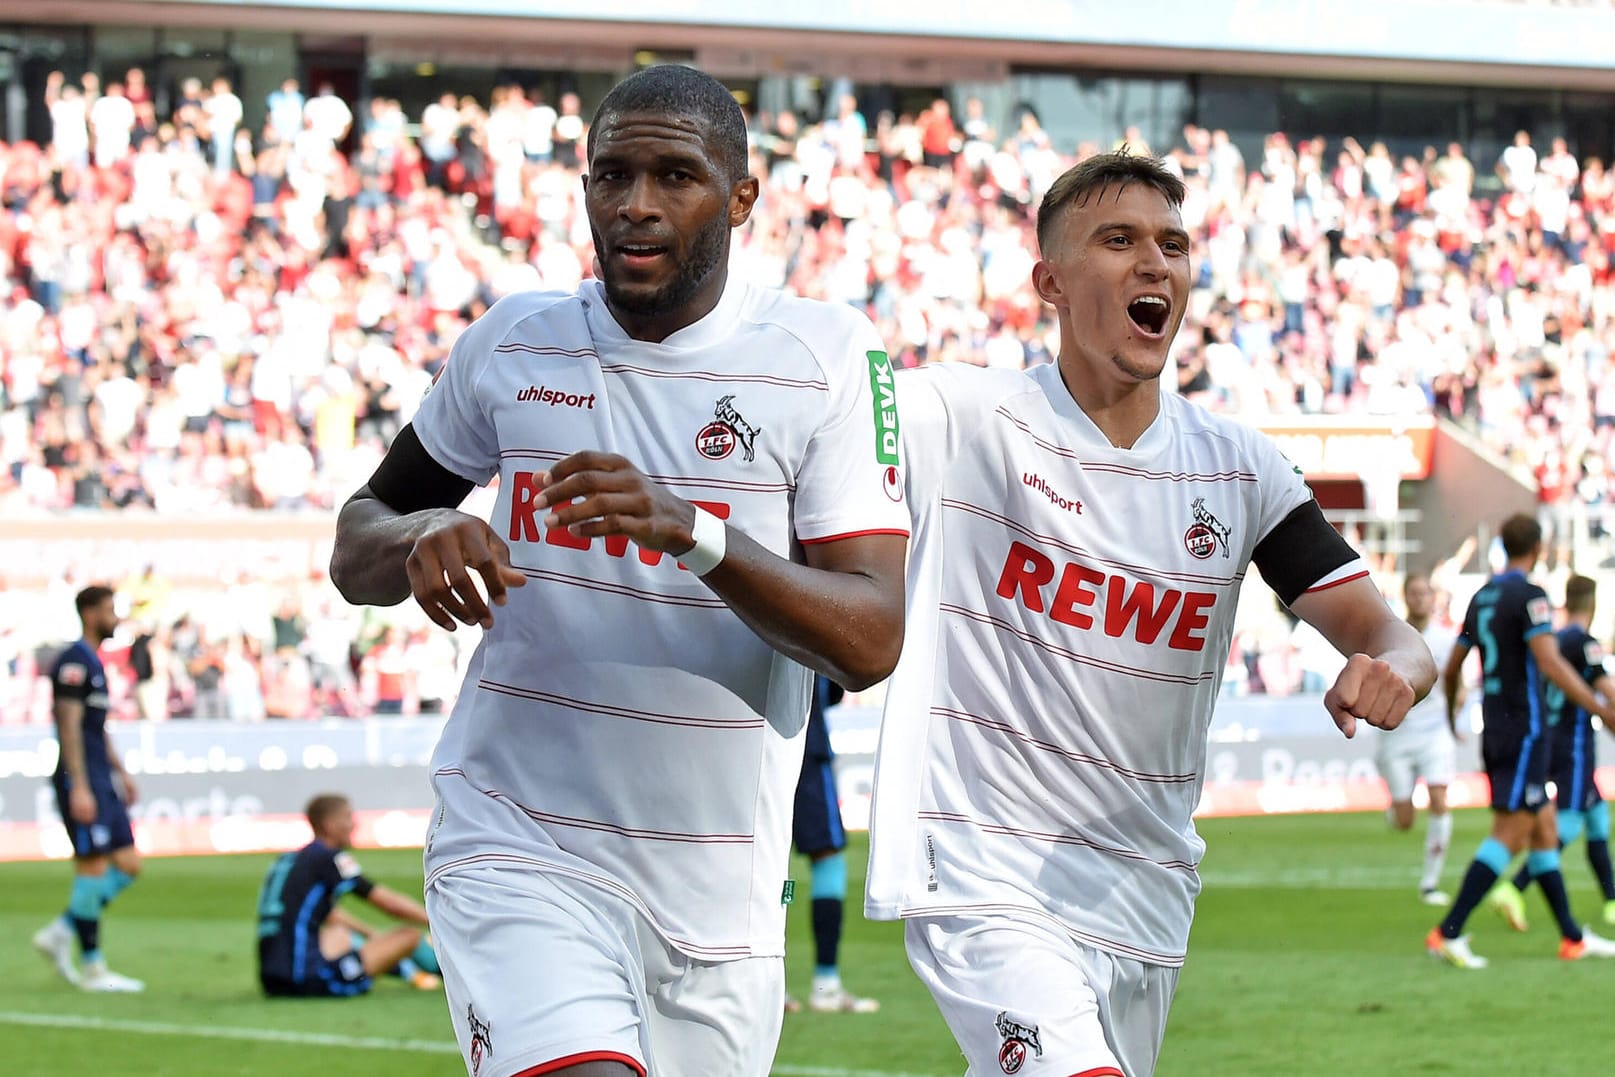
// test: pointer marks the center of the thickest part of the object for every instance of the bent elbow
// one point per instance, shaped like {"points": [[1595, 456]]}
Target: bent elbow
{"points": [[873, 662]]}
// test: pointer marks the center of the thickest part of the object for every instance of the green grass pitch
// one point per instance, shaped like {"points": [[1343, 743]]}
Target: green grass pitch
{"points": [[1307, 958]]}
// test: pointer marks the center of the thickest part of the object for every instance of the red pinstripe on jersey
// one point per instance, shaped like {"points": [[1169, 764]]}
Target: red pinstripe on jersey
{"points": [[631, 832], [1046, 746], [634, 593], [610, 711], [1006, 830], [1073, 656]]}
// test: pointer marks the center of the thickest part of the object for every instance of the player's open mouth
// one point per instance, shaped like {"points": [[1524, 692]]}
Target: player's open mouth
{"points": [[639, 254], [1149, 313]]}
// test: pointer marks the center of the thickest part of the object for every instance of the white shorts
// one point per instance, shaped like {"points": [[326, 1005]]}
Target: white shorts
{"points": [[544, 972], [1021, 996], [1405, 758]]}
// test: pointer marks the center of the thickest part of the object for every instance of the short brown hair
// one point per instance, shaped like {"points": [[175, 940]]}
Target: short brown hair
{"points": [[322, 808], [1579, 593], [1521, 535], [1093, 176]]}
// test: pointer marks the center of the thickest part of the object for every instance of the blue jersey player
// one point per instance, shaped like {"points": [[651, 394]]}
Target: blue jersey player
{"points": [[307, 947], [1582, 809], [93, 792], [1510, 621], [817, 832]]}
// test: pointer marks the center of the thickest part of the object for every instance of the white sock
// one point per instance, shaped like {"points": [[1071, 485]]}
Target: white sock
{"points": [[1437, 836], [826, 983]]}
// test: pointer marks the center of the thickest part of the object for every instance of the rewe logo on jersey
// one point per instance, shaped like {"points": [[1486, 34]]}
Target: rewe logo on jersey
{"points": [[1119, 606], [884, 389], [526, 526], [555, 398]]}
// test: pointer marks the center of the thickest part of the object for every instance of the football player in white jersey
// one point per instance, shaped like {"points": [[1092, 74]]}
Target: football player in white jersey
{"points": [[1079, 542], [699, 505], [1424, 746]]}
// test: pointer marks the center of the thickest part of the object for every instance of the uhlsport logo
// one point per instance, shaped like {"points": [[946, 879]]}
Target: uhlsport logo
{"points": [[884, 390], [481, 1040], [1019, 1038], [555, 398], [727, 429]]}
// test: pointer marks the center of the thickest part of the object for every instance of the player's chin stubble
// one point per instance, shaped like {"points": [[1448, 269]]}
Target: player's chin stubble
{"points": [[706, 252]]}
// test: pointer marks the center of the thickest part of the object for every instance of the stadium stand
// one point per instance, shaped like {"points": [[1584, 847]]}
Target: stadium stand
{"points": [[201, 316]]}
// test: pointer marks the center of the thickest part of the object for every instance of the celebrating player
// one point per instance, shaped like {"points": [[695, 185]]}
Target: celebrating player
{"points": [[1581, 808], [1510, 621], [93, 792], [1080, 538], [306, 945], [1423, 746], [699, 504]]}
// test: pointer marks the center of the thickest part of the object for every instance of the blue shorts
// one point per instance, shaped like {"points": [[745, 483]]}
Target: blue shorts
{"points": [[341, 978], [1518, 770], [1573, 767], [110, 831], [816, 824]]}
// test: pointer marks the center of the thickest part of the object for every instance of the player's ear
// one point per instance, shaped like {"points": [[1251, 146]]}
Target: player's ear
{"points": [[742, 197], [1046, 282]]}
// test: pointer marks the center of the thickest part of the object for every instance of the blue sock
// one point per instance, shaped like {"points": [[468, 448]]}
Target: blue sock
{"points": [[829, 891], [113, 883], [425, 957], [1544, 865], [1490, 861], [84, 914]]}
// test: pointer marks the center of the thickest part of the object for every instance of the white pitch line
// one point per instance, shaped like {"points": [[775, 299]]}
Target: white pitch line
{"points": [[322, 1039]]}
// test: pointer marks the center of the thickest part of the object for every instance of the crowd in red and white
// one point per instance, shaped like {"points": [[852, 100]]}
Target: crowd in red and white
{"points": [[198, 315]]}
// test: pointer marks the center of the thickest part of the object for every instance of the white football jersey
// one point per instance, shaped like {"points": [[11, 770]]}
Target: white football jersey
{"points": [[650, 737], [1071, 610]]}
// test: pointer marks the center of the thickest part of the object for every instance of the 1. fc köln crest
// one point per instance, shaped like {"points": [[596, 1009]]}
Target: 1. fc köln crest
{"points": [[1206, 533], [727, 429]]}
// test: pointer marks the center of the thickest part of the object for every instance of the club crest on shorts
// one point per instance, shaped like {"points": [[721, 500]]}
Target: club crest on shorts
{"points": [[1019, 1038], [481, 1039], [1206, 533], [727, 429]]}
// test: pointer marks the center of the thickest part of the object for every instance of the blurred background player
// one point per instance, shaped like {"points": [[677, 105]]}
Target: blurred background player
{"points": [[1423, 746], [1510, 621], [92, 792], [307, 946], [818, 834], [1575, 758]]}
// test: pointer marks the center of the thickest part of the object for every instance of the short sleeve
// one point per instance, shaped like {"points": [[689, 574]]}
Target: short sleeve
{"points": [[453, 425], [1279, 482], [927, 431], [850, 482], [71, 680], [349, 876], [1538, 612]]}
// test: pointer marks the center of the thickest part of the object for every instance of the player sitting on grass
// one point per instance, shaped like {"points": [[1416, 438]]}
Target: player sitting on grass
{"points": [[306, 946], [1575, 757]]}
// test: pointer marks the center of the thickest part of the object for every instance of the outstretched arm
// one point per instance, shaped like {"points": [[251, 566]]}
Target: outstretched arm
{"points": [[1388, 666], [397, 905]]}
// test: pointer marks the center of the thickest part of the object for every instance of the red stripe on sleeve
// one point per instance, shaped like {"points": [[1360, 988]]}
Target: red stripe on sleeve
{"points": [[594, 1056], [854, 534], [1326, 586]]}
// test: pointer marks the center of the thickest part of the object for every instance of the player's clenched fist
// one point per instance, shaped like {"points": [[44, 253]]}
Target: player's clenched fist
{"points": [[1368, 690], [440, 566], [594, 493]]}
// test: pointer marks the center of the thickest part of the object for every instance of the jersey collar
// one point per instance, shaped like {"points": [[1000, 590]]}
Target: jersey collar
{"points": [[1082, 430], [716, 327]]}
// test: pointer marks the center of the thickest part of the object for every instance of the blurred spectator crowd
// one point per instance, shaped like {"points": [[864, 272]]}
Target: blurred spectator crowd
{"points": [[199, 315]]}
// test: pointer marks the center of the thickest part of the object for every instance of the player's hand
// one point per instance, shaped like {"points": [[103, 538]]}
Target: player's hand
{"points": [[81, 805], [131, 792], [1368, 690], [439, 570], [595, 493]]}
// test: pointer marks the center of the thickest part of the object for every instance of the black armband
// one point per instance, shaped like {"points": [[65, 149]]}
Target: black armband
{"points": [[409, 480], [1301, 549]]}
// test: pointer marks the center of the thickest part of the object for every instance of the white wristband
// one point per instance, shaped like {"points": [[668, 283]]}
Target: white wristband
{"points": [[710, 535]]}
